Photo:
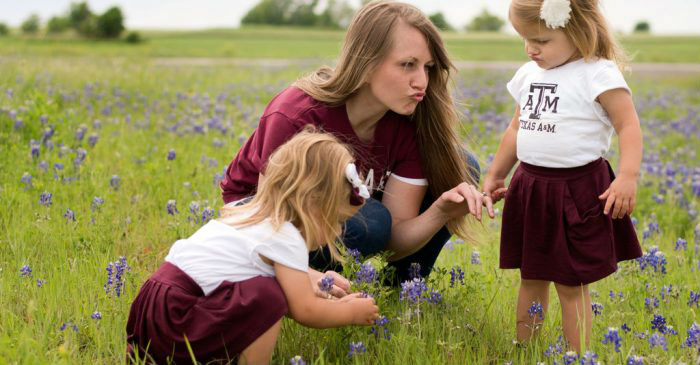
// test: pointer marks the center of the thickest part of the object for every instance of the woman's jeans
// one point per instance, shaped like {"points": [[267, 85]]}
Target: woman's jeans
{"points": [[369, 232]]}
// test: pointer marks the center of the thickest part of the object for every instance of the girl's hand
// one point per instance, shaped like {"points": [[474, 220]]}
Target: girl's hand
{"points": [[495, 188], [365, 310], [464, 199], [620, 196], [341, 286]]}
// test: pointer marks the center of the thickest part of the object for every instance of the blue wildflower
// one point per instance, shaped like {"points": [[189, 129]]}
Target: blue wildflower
{"points": [[45, 199], [35, 149], [612, 337], [597, 309], [435, 297], [115, 275], [70, 325], [172, 207], [79, 157], [92, 140], [693, 339], [589, 358], [367, 273], [570, 357], [26, 179], [355, 254], [625, 328], [40, 282], [96, 315], [651, 303], [207, 214], [97, 202], [69, 215], [658, 323], [44, 166], [694, 299], [536, 310], [380, 327], [171, 155], [635, 360], [681, 244], [25, 271], [456, 274], [658, 339], [80, 132], [115, 182], [412, 290], [326, 283], [297, 360], [476, 258], [356, 348]]}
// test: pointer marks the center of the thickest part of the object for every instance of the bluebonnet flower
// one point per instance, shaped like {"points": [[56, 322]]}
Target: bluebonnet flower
{"points": [[96, 315], [172, 207], [40, 282], [612, 337], [297, 360], [414, 270], [589, 358], [92, 140], [207, 214], [194, 208], [380, 327], [634, 221], [435, 297], [456, 274], [536, 310], [355, 254], [658, 339], [45, 199], [658, 323], [356, 348], [171, 155], [635, 360], [412, 290], [58, 166], [367, 273], [80, 132], [79, 157], [597, 309], [694, 299], [97, 202], [43, 118], [653, 259], [570, 357], [651, 303], [26, 179], [35, 149], [476, 258], [69, 324], [693, 339], [114, 182], [44, 166], [115, 275], [326, 283], [25, 271], [681, 244], [625, 328], [69, 215]]}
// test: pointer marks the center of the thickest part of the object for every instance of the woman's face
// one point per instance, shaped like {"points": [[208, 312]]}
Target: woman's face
{"points": [[399, 82]]}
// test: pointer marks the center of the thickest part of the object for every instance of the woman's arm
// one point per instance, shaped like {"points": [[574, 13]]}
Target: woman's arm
{"points": [[621, 195], [311, 311]]}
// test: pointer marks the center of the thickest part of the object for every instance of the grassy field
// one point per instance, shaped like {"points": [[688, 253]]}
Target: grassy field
{"points": [[94, 133], [297, 43]]}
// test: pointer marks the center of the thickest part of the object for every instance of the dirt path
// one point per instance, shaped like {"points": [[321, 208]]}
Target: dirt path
{"points": [[647, 68]]}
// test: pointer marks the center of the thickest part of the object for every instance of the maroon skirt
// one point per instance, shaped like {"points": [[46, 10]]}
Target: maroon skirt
{"points": [[554, 228], [171, 307]]}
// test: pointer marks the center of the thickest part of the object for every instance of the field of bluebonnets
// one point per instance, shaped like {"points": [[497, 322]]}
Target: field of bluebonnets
{"points": [[105, 163]]}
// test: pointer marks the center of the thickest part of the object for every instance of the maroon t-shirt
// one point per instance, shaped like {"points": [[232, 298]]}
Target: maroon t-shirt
{"points": [[393, 151]]}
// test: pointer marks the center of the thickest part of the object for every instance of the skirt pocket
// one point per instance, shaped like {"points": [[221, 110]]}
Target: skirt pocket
{"points": [[590, 236]]}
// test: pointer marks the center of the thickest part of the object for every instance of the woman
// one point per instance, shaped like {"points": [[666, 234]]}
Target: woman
{"points": [[388, 99]]}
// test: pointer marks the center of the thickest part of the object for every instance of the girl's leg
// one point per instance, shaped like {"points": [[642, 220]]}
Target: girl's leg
{"points": [[260, 351], [536, 291], [576, 314]]}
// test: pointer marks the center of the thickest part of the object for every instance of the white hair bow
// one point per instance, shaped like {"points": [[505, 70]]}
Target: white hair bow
{"points": [[354, 179], [555, 13]]}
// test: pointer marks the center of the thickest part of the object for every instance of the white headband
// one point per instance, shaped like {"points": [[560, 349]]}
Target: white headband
{"points": [[555, 13]]}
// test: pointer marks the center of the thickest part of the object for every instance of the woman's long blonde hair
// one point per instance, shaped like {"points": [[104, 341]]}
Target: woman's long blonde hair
{"points": [[304, 184], [367, 43], [587, 28]]}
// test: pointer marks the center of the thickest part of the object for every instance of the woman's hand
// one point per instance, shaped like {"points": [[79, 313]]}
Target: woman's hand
{"points": [[340, 288], [495, 188], [464, 199], [620, 196]]}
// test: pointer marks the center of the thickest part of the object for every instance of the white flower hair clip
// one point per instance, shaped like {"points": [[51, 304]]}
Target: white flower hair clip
{"points": [[359, 189], [555, 13]]}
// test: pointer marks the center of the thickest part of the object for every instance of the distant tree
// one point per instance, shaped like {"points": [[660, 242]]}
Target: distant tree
{"points": [[111, 23], [78, 14], [273, 12], [303, 14], [31, 24], [58, 24], [340, 13], [134, 37], [4, 29], [485, 22], [439, 20], [642, 27]]}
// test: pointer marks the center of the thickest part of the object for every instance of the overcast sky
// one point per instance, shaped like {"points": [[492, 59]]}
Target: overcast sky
{"points": [[665, 16]]}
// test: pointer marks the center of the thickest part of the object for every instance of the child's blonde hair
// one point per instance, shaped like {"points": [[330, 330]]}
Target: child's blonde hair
{"points": [[587, 28], [304, 183]]}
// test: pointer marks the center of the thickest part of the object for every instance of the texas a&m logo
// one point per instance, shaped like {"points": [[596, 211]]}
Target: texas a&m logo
{"points": [[544, 93]]}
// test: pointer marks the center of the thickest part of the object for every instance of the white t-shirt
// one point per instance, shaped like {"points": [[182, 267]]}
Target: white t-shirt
{"points": [[561, 123], [218, 252]]}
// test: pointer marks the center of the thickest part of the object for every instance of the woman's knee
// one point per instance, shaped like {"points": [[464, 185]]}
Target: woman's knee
{"points": [[370, 229]]}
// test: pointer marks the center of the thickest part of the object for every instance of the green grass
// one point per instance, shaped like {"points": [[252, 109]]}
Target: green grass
{"points": [[138, 105], [295, 43]]}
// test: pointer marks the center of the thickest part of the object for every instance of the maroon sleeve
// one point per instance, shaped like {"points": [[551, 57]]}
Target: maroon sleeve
{"points": [[241, 178]]}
